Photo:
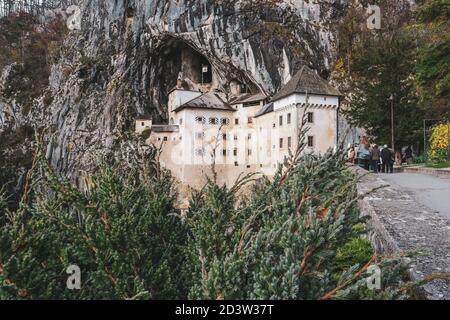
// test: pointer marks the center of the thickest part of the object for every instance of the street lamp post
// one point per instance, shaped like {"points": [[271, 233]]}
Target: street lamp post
{"points": [[391, 98], [425, 139], [448, 136]]}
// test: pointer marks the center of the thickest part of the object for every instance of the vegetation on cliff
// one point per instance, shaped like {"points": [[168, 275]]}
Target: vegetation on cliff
{"points": [[28, 46]]}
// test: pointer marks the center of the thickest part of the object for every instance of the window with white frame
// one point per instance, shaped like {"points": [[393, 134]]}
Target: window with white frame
{"points": [[199, 135], [200, 119], [213, 121], [200, 152], [310, 141]]}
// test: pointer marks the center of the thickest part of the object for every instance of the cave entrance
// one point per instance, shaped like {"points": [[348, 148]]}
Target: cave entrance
{"points": [[179, 60], [194, 66], [175, 60]]}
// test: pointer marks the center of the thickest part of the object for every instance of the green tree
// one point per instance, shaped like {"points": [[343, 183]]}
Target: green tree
{"points": [[123, 234], [433, 66], [383, 67]]}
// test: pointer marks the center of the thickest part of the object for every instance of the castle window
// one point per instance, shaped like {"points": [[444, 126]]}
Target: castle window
{"points": [[200, 119], [310, 141], [165, 138], [199, 152], [181, 121], [249, 152], [281, 121], [213, 121], [281, 143], [142, 123], [224, 136], [206, 69], [289, 142], [273, 126], [249, 136], [235, 151], [310, 117], [199, 135], [224, 152], [225, 121], [236, 121], [236, 164], [250, 120], [235, 137], [288, 118]]}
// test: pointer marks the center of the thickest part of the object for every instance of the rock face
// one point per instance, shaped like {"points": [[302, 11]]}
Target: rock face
{"points": [[129, 53]]}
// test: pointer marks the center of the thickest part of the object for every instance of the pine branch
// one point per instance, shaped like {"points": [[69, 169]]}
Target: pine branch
{"points": [[333, 292]]}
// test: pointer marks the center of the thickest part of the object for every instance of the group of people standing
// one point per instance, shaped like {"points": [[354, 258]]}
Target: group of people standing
{"points": [[372, 158]]}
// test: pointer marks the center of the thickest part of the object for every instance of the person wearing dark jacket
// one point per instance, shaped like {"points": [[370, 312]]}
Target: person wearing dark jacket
{"points": [[387, 158], [409, 155], [375, 158]]}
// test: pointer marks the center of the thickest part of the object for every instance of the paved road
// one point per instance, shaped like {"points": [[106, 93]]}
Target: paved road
{"points": [[430, 191]]}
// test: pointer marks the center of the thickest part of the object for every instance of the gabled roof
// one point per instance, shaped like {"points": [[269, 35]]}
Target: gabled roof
{"points": [[180, 89], [144, 116], [165, 128], [249, 98], [264, 110], [208, 100], [306, 80]]}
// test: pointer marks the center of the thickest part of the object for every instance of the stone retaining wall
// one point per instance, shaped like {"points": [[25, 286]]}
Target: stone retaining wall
{"points": [[440, 173], [399, 224]]}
